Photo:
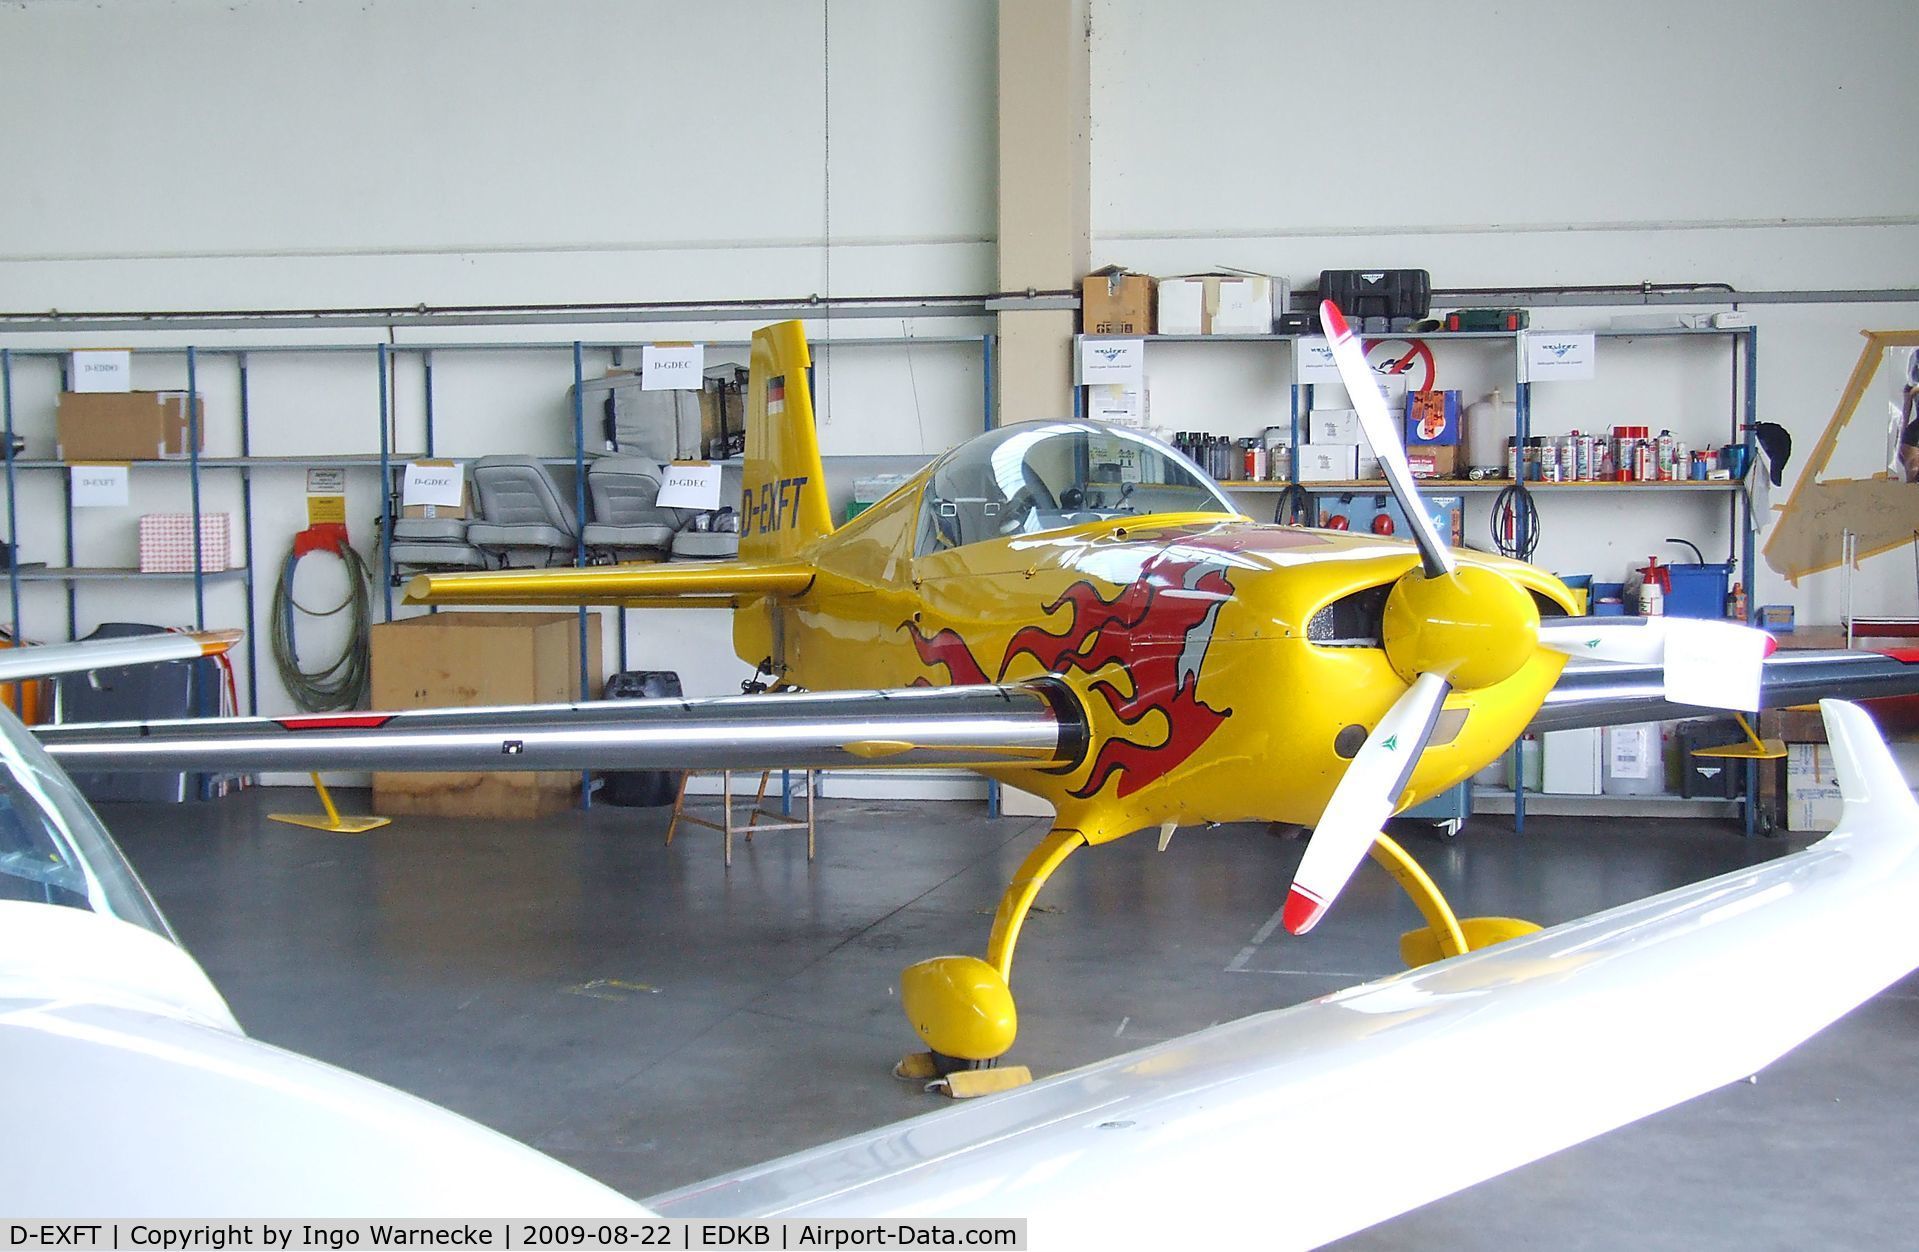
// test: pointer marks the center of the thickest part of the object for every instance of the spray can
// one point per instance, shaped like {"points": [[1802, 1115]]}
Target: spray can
{"points": [[1512, 458], [1663, 450]]}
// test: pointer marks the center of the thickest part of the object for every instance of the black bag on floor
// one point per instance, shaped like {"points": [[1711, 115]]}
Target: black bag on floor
{"points": [[140, 693], [641, 788]]}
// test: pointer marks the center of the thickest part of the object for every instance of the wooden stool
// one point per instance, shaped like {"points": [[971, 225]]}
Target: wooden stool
{"points": [[728, 823]]}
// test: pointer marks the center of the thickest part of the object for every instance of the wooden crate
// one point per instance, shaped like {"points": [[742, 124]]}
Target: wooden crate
{"points": [[464, 660]]}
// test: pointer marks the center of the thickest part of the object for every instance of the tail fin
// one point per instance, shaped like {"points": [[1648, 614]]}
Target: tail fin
{"points": [[783, 503], [1869, 779]]}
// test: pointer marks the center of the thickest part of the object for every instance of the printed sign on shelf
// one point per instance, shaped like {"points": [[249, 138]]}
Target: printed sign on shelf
{"points": [[1121, 361], [672, 366], [1631, 752], [1557, 356], [432, 482], [326, 482], [100, 369], [100, 486], [690, 485], [326, 496], [1313, 361], [1120, 406]]}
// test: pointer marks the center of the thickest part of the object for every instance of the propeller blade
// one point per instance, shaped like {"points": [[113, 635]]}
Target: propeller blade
{"points": [[1367, 794], [1383, 433], [1708, 663]]}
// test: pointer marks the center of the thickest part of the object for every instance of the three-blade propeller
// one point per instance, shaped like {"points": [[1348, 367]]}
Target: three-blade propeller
{"points": [[1449, 627]]}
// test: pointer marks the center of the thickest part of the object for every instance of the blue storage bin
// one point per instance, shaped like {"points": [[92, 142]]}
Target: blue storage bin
{"points": [[1698, 590], [1607, 601]]}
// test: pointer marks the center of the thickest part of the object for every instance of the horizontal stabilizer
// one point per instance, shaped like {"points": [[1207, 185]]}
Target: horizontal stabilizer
{"points": [[1647, 1005], [1034, 724], [47, 659], [688, 584]]}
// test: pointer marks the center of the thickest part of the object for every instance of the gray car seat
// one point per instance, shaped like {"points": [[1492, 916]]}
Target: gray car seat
{"points": [[706, 536], [628, 523], [527, 520], [426, 543], [434, 543]]}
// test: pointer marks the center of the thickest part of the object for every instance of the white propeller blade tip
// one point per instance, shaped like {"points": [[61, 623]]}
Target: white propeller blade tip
{"points": [[1303, 910], [1332, 321]]}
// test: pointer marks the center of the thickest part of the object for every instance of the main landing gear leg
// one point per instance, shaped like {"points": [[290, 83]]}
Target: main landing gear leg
{"points": [[962, 1006], [1445, 934]]}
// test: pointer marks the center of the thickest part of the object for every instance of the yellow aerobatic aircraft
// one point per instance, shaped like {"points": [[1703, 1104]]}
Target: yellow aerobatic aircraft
{"points": [[1210, 668]]}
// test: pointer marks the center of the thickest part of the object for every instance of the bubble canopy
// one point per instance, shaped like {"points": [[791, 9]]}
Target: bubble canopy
{"points": [[1039, 476]]}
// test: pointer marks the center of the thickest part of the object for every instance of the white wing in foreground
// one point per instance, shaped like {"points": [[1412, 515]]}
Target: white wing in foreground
{"points": [[1315, 1121]]}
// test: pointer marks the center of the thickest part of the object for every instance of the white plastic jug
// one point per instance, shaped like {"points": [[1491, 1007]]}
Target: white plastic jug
{"points": [[1489, 423]]}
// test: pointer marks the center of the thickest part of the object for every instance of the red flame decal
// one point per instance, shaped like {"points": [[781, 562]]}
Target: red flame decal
{"points": [[948, 650], [1156, 629]]}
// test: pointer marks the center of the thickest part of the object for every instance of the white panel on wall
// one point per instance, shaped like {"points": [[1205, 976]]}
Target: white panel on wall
{"points": [[1333, 119]]}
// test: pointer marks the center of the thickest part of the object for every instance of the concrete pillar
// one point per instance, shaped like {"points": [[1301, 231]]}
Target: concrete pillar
{"points": [[1045, 197]]}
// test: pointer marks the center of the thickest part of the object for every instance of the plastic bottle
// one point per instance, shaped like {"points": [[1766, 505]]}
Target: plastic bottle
{"points": [[1489, 428], [1652, 589], [1736, 603]]}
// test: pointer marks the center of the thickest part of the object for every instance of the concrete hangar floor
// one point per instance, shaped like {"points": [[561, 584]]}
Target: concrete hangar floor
{"points": [[653, 1019]]}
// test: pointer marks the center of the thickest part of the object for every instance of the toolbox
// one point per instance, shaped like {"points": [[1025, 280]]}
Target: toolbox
{"points": [[1710, 777], [1401, 297]]}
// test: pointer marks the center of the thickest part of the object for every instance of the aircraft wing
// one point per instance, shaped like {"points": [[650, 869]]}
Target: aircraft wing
{"points": [[1030, 724], [1592, 693], [44, 660], [1315, 1121], [720, 584]]}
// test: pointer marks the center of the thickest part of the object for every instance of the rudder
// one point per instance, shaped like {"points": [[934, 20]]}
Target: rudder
{"points": [[783, 495]]}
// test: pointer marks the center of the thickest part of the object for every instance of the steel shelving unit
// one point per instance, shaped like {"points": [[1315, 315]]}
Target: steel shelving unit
{"points": [[1744, 343]]}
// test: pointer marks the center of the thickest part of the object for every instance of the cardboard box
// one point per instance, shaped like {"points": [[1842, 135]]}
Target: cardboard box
{"points": [[1116, 302], [1794, 725], [1332, 426], [1433, 462], [1571, 762], [1328, 463], [467, 659], [1432, 419], [1812, 792], [100, 370], [463, 509], [166, 542], [1216, 304], [125, 426]]}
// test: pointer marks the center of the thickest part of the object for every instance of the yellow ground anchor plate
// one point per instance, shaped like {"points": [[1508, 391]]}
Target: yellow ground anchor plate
{"points": [[1445, 934], [961, 1084], [333, 822], [1754, 749]]}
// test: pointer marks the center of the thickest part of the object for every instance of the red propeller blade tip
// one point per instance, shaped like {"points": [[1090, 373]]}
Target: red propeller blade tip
{"points": [[1303, 911], [1332, 321]]}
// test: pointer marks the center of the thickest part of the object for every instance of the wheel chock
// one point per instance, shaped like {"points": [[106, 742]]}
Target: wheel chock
{"points": [[967, 1084], [916, 1067]]}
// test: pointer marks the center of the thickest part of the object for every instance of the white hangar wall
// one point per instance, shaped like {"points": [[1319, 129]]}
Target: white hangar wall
{"points": [[1761, 145], [258, 154], [192, 154]]}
